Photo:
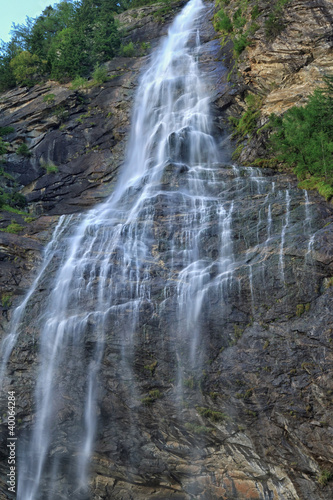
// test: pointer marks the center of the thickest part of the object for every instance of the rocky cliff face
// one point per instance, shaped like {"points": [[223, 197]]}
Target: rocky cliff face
{"points": [[288, 51], [256, 418], [76, 140], [289, 67]]}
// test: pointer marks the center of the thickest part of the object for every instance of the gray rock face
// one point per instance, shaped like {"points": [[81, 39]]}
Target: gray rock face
{"points": [[254, 418]]}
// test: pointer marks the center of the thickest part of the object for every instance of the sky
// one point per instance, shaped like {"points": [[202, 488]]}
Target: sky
{"points": [[16, 11]]}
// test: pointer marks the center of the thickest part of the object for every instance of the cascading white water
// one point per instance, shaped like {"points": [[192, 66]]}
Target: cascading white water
{"points": [[283, 234], [107, 263], [10, 341]]}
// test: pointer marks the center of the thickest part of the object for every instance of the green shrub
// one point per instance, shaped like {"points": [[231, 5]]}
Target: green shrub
{"points": [[3, 146], [324, 477], [29, 219], [127, 50], [255, 13], [214, 415], [246, 124], [13, 228], [61, 113], [160, 13], [274, 25], [303, 139], [48, 98], [6, 300], [155, 394], [79, 83], [147, 401], [222, 22], [100, 74], [151, 367], [144, 48], [23, 150], [240, 43], [50, 168], [6, 131], [239, 20], [17, 200]]}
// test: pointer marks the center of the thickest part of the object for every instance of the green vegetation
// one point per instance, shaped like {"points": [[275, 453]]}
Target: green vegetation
{"points": [[328, 282], [131, 50], [302, 308], [6, 131], [255, 12], [23, 150], [50, 167], [4, 145], [324, 477], [191, 383], [6, 300], [13, 228], [222, 22], [127, 50], [239, 24], [68, 40], [274, 24], [79, 83], [196, 429], [154, 394], [100, 74], [246, 124], [10, 200], [61, 113], [49, 98], [29, 219], [303, 140], [151, 367], [214, 415]]}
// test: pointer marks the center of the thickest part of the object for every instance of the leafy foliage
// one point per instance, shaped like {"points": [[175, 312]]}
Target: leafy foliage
{"points": [[222, 22], [127, 50], [23, 150], [273, 25], [100, 74], [303, 137], [239, 24], [246, 124], [26, 67], [13, 228], [66, 40]]}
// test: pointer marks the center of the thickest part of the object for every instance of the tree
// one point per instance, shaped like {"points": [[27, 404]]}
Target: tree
{"points": [[7, 52], [303, 136], [26, 68], [21, 33], [67, 54], [48, 25]]}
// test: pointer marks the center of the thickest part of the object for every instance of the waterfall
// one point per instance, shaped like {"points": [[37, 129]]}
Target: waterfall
{"points": [[132, 285], [110, 255]]}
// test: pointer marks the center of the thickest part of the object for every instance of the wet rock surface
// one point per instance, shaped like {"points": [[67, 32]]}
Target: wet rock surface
{"points": [[254, 419]]}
